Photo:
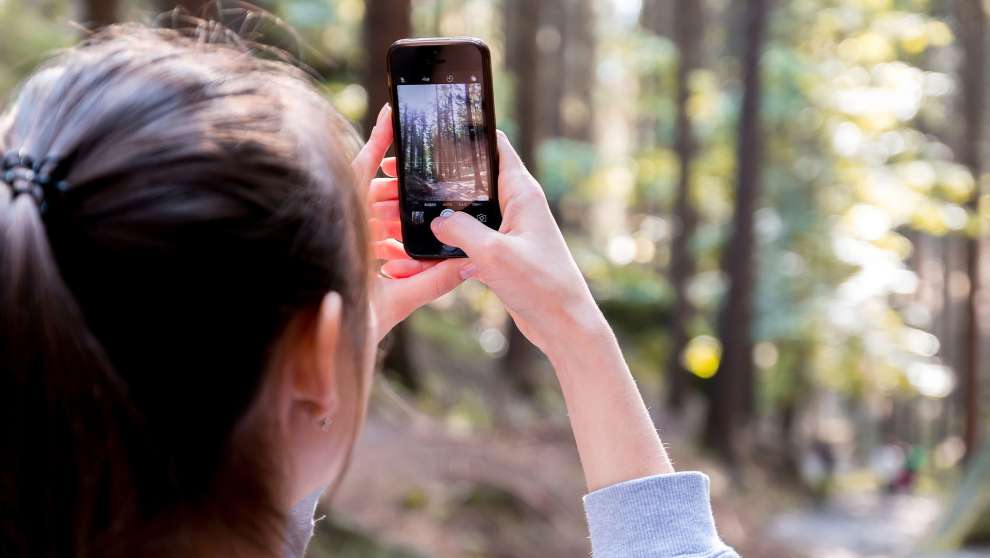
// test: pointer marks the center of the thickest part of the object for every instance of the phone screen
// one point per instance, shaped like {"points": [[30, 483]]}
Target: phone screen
{"points": [[445, 133], [443, 138]]}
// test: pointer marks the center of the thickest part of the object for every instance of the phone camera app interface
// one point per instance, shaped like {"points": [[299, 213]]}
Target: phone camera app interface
{"points": [[445, 151]]}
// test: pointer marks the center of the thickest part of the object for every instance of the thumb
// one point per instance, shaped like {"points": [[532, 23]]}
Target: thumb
{"points": [[366, 162], [400, 297], [463, 231], [508, 160]]}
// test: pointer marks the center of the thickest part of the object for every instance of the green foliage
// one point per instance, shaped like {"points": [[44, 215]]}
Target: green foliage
{"points": [[856, 112], [30, 32], [334, 539]]}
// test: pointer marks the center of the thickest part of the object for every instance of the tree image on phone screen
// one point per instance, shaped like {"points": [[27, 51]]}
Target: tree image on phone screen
{"points": [[444, 142]]}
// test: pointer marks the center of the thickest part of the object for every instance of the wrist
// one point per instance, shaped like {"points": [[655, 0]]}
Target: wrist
{"points": [[580, 328]]}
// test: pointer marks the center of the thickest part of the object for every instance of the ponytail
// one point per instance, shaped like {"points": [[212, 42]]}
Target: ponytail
{"points": [[62, 457], [141, 306]]}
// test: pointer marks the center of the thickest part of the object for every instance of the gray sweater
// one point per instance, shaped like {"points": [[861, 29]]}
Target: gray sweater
{"points": [[654, 517]]}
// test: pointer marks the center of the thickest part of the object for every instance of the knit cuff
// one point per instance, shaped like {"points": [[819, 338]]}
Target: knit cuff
{"points": [[662, 515]]}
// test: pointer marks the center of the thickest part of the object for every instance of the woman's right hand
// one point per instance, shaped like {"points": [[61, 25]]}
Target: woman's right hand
{"points": [[526, 262]]}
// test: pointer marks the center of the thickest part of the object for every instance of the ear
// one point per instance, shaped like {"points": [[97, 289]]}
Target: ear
{"points": [[313, 374]]}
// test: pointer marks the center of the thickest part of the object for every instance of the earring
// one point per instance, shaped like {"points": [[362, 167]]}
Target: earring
{"points": [[325, 423]]}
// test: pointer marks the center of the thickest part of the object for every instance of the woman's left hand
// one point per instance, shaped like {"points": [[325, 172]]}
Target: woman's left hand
{"points": [[404, 284]]}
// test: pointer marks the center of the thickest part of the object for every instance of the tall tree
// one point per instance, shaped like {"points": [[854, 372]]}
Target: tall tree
{"points": [[94, 14], [731, 387], [386, 21], [521, 26], [199, 8], [688, 34], [578, 49], [473, 138], [972, 34], [659, 16]]}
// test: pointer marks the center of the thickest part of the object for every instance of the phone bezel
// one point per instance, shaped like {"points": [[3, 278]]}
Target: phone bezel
{"points": [[492, 205]]}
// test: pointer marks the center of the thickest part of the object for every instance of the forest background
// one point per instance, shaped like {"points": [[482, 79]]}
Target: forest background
{"points": [[781, 206]]}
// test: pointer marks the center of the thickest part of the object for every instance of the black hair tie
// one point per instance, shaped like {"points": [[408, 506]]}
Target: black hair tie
{"points": [[39, 179]]}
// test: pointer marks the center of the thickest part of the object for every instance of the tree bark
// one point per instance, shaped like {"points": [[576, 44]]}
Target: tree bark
{"points": [[659, 16], [579, 53], [521, 25], [689, 33], [386, 21], [198, 8], [472, 136], [732, 385], [94, 14], [972, 33]]}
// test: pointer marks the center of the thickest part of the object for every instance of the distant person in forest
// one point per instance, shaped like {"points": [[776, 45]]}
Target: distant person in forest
{"points": [[189, 312]]}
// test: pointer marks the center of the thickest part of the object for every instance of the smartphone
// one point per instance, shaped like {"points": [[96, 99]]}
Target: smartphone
{"points": [[444, 121]]}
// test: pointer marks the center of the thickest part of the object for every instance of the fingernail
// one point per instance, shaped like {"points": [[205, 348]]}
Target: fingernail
{"points": [[435, 223], [468, 271], [381, 113]]}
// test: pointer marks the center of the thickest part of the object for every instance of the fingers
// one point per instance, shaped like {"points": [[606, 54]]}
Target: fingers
{"points": [[366, 163], [386, 210], [382, 230], [390, 249], [388, 167], [465, 232], [433, 280], [407, 267], [508, 159], [383, 189], [415, 283], [514, 180]]}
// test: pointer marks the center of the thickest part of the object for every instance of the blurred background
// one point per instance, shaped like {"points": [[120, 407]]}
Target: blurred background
{"points": [[779, 206]]}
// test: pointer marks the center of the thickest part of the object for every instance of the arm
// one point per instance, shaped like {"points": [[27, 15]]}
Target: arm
{"points": [[638, 506], [615, 436], [529, 267]]}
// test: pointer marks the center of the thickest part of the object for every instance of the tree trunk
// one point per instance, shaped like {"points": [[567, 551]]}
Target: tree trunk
{"points": [[659, 16], [440, 158], [472, 136], [579, 54], [689, 33], [731, 387], [205, 9], [552, 53], [972, 33], [521, 25], [94, 14], [386, 21]]}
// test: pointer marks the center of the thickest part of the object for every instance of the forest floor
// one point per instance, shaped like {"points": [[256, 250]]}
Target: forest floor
{"points": [[859, 526], [417, 485], [421, 486], [451, 190]]}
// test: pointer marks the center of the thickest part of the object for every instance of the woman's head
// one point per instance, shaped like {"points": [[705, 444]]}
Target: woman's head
{"points": [[194, 303]]}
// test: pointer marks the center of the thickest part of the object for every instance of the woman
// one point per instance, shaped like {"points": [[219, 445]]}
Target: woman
{"points": [[188, 312]]}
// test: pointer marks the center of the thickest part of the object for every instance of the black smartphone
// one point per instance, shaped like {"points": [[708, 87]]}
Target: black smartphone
{"points": [[444, 121]]}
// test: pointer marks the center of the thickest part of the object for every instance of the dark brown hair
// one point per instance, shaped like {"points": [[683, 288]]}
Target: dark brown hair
{"points": [[211, 204]]}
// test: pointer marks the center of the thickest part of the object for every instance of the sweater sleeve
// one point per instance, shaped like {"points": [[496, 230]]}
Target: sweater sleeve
{"points": [[655, 517], [300, 525]]}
